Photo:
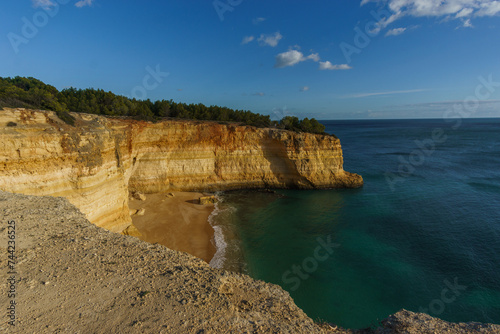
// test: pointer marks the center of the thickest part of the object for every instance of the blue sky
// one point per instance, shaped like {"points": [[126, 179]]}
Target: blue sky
{"points": [[332, 59]]}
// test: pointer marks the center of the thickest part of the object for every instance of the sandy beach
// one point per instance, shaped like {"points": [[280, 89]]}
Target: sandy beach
{"points": [[177, 221]]}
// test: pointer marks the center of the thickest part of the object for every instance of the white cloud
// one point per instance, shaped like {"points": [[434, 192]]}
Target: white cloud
{"points": [[83, 3], [439, 109], [314, 57], [271, 40], [258, 20], [468, 24], [395, 32], [489, 8], [289, 58], [458, 9], [464, 12], [282, 112], [358, 95], [259, 94], [293, 57], [304, 89], [326, 65], [247, 39], [43, 3]]}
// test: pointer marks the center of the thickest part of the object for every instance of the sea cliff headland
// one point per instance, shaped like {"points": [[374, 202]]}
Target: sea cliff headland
{"points": [[74, 275], [100, 160]]}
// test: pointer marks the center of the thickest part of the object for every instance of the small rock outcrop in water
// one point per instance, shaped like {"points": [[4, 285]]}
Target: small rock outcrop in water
{"points": [[79, 278], [96, 163], [207, 200]]}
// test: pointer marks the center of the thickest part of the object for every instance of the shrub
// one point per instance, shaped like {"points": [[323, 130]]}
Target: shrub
{"points": [[66, 117]]}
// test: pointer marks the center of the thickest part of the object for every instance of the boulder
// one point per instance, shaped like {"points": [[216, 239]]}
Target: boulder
{"points": [[139, 196], [207, 200], [132, 231]]}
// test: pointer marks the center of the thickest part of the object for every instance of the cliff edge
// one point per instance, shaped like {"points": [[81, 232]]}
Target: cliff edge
{"points": [[98, 161], [74, 277]]}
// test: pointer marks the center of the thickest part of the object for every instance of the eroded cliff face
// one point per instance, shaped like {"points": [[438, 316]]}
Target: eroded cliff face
{"points": [[96, 163]]}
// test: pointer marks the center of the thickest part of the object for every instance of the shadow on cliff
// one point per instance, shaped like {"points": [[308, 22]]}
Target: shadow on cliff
{"points": [[284, 170]]}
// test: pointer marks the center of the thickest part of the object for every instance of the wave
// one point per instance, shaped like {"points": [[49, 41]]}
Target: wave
{"points": [[219, 258]]}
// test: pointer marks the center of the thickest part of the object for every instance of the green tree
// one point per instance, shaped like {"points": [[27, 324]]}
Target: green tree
{"points": [[317, 127], [33, 93]]}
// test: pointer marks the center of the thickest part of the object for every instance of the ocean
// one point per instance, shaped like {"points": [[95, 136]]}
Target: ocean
{"points": [[422, 234]]}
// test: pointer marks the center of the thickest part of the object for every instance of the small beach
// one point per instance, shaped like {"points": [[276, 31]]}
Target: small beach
{"points": [[177, 222]]}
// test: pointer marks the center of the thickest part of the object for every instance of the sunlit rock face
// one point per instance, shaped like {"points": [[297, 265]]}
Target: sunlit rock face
{"points": [[98, 161]]}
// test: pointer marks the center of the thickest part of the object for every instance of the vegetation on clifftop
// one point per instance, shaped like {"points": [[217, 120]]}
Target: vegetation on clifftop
{"points": [[20, 92]]}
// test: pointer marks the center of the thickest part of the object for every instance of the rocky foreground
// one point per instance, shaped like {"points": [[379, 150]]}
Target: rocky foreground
{"points": [[75, 277]]}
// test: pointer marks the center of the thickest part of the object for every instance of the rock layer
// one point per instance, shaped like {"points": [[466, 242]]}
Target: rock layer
{"points": [[99, 161]]}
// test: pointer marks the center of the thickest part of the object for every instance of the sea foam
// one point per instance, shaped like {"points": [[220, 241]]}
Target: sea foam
{"points": [[220, 242]]}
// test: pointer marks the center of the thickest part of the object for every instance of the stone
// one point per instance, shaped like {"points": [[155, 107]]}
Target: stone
{"points": [[137, 195], [207, 200], [132, 231]]}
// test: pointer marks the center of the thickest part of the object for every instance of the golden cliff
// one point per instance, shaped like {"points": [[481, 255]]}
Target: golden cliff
{"points": [[96, 163]]}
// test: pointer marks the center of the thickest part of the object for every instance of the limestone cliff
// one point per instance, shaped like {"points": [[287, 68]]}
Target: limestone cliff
{"points": [[96, 163]]}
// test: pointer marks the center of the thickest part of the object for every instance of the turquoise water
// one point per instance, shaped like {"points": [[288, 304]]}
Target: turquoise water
{"points": [[422, 234]]}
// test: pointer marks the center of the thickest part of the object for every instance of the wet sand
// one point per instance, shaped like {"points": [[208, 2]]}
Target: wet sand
{"points": [[178, 222]]}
